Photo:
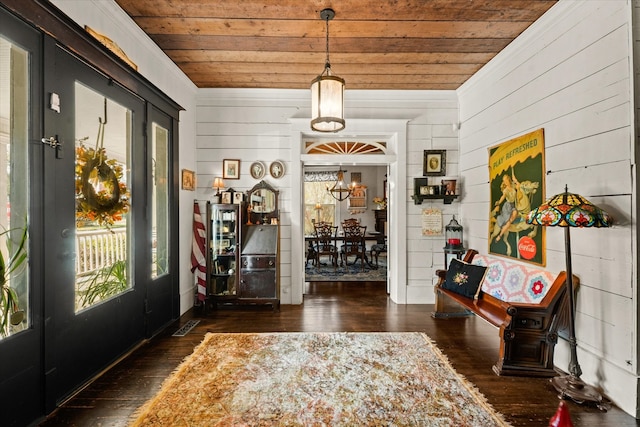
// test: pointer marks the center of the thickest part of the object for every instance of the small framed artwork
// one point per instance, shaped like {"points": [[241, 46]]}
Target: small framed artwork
{"points": [[238, 197], [226, 198], [276, 169], [188, 180], [257, 170], [435, 162], [231, 169]]}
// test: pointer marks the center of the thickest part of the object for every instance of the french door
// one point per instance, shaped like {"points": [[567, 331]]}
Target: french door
{"points": [[162, 299], [21, 321], [88, 264], [94, 132]]}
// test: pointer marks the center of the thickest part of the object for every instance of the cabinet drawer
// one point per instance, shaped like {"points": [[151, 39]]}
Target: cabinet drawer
{"points": [[258, 261]]}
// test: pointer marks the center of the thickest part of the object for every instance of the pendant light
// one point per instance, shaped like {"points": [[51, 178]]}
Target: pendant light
{"points": [[340, 191], [327, 93]]}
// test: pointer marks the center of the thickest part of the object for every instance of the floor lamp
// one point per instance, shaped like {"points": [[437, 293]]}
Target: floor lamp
{"points": [[571, 210]]}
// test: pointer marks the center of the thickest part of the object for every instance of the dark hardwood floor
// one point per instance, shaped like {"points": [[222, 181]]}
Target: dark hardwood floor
{"points": [[470, 344]]}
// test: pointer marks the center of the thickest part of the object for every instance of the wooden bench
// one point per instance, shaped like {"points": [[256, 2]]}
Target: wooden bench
{"points": [[529, 314]]}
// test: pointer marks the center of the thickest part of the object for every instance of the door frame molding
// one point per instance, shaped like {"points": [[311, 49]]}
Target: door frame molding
{"points": [[394, 132]]}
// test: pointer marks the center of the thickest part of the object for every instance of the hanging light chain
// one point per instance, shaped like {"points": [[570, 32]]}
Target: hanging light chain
{"points": [[327, 63]]}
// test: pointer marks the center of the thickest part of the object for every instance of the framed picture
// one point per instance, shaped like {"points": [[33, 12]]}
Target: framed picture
{"points": [[231, 169], [226, 198], [276, 169], [435, 162], [238, 197], [188, 180], [257, 170]]}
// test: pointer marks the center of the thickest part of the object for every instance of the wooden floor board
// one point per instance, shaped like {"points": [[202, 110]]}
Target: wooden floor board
{"points": [[470, 344]]}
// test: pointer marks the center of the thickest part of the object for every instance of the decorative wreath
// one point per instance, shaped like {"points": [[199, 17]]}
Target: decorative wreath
{"points": [[101, 196]]}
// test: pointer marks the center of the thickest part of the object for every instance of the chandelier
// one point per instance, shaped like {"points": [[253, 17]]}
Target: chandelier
{"points": [[327, 93], [339, 191]]}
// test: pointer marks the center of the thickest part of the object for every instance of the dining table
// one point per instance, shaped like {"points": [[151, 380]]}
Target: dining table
{"points": [[374, 236]]}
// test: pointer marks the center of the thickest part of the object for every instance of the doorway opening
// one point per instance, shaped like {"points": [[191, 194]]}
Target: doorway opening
{"points": [[393, 132], [334, 257]]}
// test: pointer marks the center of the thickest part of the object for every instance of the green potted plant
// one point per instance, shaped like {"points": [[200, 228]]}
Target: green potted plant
{"points": [[104, 283], [10, 312]]}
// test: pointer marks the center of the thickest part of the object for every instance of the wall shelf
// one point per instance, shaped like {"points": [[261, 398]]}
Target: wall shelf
{"points": [[420, 184], [447, 199]]}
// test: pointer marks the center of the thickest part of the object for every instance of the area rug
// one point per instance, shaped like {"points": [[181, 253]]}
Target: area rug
{"points": [[347, 273], [317, 379]]}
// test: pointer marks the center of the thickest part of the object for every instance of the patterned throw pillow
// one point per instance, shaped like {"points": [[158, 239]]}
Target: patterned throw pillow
{"points": [[464, 279]]}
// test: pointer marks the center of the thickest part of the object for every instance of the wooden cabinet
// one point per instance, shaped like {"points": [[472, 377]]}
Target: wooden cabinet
{"points": [[244, 247], [381, 220], [223, 238], [259, 265]]}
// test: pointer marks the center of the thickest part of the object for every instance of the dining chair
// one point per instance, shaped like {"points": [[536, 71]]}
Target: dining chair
{"points": [[325, 242], [376, 250], [355, 221], [354, 243]]}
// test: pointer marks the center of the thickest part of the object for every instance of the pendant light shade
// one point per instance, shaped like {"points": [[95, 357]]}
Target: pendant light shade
{"points": [[327, 93], [327, 108], [339, 190]]}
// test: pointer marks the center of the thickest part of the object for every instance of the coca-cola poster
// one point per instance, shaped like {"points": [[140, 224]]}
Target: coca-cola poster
{"points": [[516, 175]]}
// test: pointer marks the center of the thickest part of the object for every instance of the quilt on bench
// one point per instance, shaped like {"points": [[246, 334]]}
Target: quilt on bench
{"points": [[512, 282], [524, 302]]}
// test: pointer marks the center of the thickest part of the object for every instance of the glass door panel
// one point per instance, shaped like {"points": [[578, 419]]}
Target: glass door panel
{"points": [[103, 199], [159, 201], [225, 230], [14, 188]]}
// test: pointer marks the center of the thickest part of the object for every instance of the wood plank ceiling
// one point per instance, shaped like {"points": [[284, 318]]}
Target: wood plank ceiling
{"points": [[373, 44]]}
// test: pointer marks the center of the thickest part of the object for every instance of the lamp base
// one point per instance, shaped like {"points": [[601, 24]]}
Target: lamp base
{"points": [[572, 387]]}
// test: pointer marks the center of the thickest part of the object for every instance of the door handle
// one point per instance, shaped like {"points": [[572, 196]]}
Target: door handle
{"points": [[54, 143]]}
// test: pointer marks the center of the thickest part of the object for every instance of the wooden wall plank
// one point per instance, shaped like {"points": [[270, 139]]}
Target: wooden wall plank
{"points": [[338, 29], [572, 79], [491, 10]]}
